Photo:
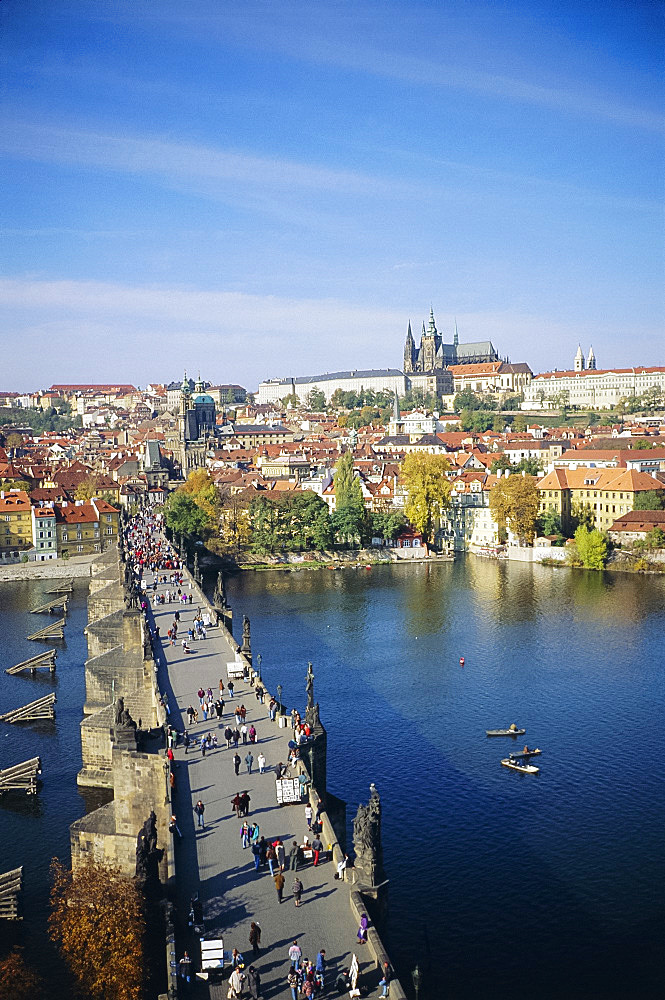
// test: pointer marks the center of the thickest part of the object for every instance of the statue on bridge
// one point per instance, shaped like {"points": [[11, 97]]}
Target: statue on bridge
{"points": [[367, 840], [148, 855], [123, 732]]}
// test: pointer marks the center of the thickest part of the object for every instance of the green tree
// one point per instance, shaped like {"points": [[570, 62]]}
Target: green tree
{"points": [[591, 547], [349, 518], [514, 503], [428, 487], [316, 399], [183, 515], [529, 465], [500, 463], [655, 539], [386, 524], [97, 922], [499, 424], [650, 500], [519, 423], [87, 488], [290, 400], [643, 445], [466, 400], [549, 522], [204, 493], [582, 514], [264, 517]]}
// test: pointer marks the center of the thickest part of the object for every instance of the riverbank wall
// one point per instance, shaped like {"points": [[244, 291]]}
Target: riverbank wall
{"points": [[79, 567]]}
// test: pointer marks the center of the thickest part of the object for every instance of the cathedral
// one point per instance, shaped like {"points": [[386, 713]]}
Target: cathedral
{"points": [[197, 426], [433, 354]]}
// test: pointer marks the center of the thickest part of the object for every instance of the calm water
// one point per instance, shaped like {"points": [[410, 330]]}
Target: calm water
{"points": [[553, 883], [34, 829]]}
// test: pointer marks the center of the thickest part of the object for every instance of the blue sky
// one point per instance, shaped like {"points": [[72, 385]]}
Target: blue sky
{"points": [[276, 188]]}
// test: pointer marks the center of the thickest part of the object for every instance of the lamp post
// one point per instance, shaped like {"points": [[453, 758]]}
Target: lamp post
{"points": [[258, 663], [279, 698], [416, 976]]}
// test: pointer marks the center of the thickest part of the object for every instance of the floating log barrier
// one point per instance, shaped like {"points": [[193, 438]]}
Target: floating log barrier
{"points": [[21, 777], [40, 709], [63, 587], [42, 661], [59, 602], [54, 631], [10, 886]]}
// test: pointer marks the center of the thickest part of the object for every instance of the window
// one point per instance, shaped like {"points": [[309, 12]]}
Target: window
{"points": [[65, 537], [108, 518]]}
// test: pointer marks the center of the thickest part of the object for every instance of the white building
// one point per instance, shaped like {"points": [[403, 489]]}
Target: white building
{"points": [[376, 379], [590, 389]]}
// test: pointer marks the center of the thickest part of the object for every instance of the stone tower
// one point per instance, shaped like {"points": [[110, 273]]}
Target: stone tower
{"points": [[409, 350], [579, 359], [591, 361], [428, 344]]}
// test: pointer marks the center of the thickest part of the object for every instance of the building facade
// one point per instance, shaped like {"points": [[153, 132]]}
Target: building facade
{"points": [[608, 492], [375, 379], [590, 389]]}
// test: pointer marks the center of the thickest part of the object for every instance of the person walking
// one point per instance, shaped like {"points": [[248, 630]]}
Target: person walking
{"points": [[294, 854], [237, 982], [362, 929], [261, 761], [255, 936], [185, 968], [199, 809], [256, 852], [244, 834], [249, 760], [295, 955], [296, 889], [244, 803], [321, 969], [279, 885], [271, 858], [230, 687], [308, 815], [281, 854], [174, 828], [317, 847], [237, 762], [254, 983], [293, 982]]}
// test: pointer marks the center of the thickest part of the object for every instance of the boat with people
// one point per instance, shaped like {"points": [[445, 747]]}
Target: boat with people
{"points": [[525, 753], [512, 730], [516, 765]]}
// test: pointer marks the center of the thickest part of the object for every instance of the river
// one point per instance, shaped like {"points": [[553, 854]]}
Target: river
{"points": [[499, 882], [549, 884]]}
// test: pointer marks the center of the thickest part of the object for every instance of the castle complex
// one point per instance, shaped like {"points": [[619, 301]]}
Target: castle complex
{"points": [[434, 355]]}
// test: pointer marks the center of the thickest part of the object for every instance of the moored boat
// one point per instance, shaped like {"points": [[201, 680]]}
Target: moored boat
{"points": [[511, 731], [525, 753], [516, 765]]}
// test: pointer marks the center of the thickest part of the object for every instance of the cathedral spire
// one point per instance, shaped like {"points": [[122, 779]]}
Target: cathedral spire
{"points": [[579, 359], [198, 388], [432, 325], [456, 338], [591, 360]]}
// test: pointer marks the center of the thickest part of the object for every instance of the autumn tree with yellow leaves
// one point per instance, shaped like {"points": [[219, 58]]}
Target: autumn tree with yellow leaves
{"points": [[514, 503], [98, 924], [426, 480]]}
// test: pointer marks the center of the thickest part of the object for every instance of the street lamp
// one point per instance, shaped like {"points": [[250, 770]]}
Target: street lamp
{"points": [[416, 976], [279, 698]]}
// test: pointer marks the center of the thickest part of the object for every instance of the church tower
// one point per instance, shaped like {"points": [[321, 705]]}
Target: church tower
{"points": [[579, 359], [185, 395], [428, 344], [409, 351], [591, 361]]}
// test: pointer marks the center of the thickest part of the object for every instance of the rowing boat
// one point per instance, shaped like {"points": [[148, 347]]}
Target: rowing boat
{"points": [[505, 732], [516, 766], [525, 753]]}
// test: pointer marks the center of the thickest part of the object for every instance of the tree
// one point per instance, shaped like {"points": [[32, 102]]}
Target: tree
{"points": [[501, 462], [642, 444], [466, 400], [316, 399], [425, 477], [290, 400], [97, 922], [529, 465], [17, 980], [514, 503], [519, 423], [549, 522], [386, 524], [591, 547], [183, 515], [582, 514], [87, 488], [655, 539], [349, 518], [499, 424], [14, 441], [650, 500], [204, 493]]}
